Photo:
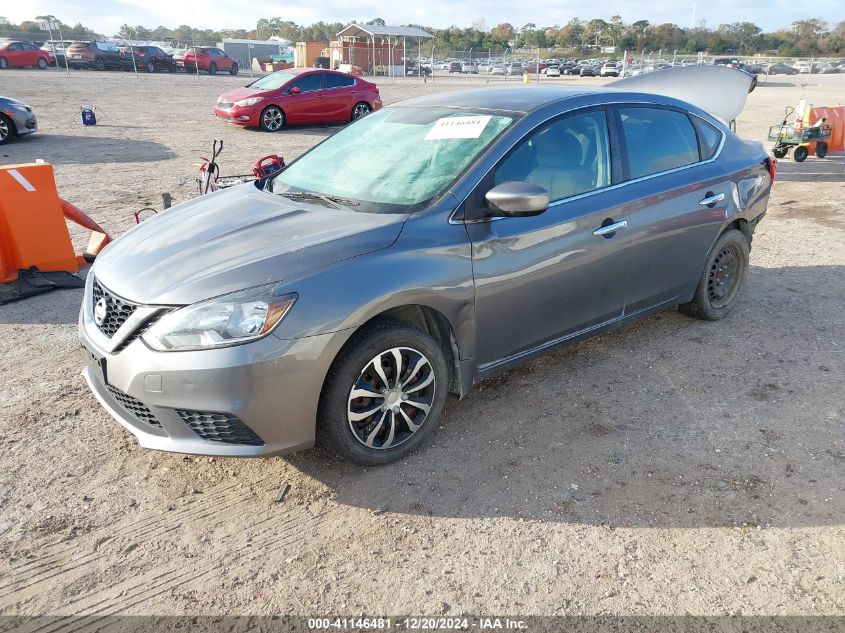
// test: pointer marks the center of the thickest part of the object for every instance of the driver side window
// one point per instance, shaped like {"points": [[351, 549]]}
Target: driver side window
{"points": [[568, 157]]}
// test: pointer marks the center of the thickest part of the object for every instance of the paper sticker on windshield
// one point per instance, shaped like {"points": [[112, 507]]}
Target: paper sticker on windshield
{"points": [[458, 127]]}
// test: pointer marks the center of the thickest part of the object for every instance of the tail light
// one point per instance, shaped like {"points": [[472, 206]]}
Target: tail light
{"points": [[772, 165], [374, 88], [141, 53]]}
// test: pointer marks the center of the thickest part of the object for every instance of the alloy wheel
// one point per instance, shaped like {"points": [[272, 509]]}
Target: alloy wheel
{"points": [[391, 398], [362, 109], [724, 276], [3, 63], [272, 119], [151, 67], [4, 130]]}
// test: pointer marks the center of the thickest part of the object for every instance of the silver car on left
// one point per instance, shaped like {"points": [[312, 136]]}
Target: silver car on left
{"points": [[16, 119]]}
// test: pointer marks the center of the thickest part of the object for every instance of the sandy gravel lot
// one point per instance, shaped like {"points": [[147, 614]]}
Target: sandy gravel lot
{"points": [[674, 467]]}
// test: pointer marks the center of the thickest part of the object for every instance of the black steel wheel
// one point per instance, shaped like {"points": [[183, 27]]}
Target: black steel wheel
{"points": [[360, 110], [800, 154], [272, 119], [384, 393], [724, 274]]}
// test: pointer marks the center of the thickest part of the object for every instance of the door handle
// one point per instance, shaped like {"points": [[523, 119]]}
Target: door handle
{"points": [[610, 228], [712, 199]]}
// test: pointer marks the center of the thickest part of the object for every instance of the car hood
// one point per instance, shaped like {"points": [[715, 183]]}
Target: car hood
{"points": [[234, 239], [236, 94]]}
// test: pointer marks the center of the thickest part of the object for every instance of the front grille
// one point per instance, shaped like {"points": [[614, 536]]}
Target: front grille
{"points": [[117, 310], [224, 105], [134, 407], [220, 427]]}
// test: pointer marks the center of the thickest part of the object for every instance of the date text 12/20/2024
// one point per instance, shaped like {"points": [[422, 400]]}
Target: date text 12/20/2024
{"points": [[417, 624]]}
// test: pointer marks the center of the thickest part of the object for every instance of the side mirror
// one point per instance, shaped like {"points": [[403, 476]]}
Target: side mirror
{"points": [[517, 199], [295, 90]]}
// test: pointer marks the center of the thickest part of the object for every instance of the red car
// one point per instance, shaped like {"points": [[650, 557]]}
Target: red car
{"points": [[208, 59], [298, 95], [22, 54]]}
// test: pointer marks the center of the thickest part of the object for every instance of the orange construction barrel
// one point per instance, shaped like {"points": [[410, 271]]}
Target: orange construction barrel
{"points": [[32, 225], [836, 118]]}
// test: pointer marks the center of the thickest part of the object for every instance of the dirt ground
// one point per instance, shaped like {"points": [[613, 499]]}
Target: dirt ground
{"points": [[674, 467]]}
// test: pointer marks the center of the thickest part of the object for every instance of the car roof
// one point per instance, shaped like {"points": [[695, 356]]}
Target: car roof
{"points": [[512, 99]]}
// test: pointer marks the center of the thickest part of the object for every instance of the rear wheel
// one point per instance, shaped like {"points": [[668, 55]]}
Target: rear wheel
{"points": [[7, 128], [99, 64], [383, 394], [821, 149], [234, 69], [43, 63], [718, 289], [4, 64], [212, 68], [360, 110], [800, 154], [272, 119]]}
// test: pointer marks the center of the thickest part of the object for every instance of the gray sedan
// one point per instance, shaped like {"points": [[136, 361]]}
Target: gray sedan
{"points": [[428, 246], [16, 119]]}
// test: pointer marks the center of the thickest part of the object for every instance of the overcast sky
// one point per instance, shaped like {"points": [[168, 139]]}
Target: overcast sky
{"points": [[106, 16]]}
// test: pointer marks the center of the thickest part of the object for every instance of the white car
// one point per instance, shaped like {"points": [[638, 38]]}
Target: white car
{"points": [[483, 68], [553, 71], [498, 69], [610, 69]]}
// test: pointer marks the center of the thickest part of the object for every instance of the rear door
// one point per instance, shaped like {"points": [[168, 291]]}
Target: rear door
{"points": [[15, 54], [338, 96], [223, 61], [680, 198]]}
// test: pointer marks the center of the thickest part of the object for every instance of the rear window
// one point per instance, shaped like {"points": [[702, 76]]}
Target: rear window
{"points": [[658, 140], [330, 80]]}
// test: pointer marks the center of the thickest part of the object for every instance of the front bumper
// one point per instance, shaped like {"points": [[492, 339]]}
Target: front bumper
{"points": [[247, 117], [270, 386], [25, 122]]}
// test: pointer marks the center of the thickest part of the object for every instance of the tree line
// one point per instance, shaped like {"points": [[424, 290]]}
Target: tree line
{"points": [[811, 36]]}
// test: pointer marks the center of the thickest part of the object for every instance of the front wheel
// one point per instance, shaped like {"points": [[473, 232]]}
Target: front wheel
{"points": [[272, 119], [779, 152], [384, 393], [800, 154], [151, 67], [6, 128], [234, 69], [212, 69], [718, 289], [360, 110], [42, 63], [99, 64]]}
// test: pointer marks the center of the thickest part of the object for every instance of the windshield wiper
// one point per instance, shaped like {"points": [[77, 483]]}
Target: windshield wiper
{"points": [[336, 201]]}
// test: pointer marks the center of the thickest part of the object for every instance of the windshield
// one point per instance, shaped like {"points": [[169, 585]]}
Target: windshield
{"points": [[272, 81], [393, 159]]}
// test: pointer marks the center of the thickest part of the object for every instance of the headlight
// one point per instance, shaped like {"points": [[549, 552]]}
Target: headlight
{"points": [[228, 320], [21, 107], [247, 102]]}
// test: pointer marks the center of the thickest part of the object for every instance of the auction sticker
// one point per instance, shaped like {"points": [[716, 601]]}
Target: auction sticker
{"points": [[458, 127]]}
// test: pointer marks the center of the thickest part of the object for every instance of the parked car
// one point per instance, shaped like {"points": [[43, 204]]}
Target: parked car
{"points": [[515, 68], [455, 67], [96, 55], [412, 68], [553, 71], [609, 69], [149, 58], [296, 96], [469, 68], [343, 298], [587, 71], [55, 49], [16, 119], [17, 54], [207, 59], [498, 69], [572, 70], [483, 68]]}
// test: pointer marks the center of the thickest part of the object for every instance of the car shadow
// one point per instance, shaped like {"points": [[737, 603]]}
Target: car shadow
{"points": [[78, 150], [667, 422]]}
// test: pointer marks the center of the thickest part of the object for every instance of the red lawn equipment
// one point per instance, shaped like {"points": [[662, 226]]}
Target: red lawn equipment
{"points": [[211, 180]]}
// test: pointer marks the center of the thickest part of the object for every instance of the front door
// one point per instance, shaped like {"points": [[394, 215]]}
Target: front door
{"points": [[542, 279], [304, 106]]}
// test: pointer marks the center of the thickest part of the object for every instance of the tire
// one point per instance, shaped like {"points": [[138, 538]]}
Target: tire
{"points": [[151, 67], [212, 68], [43, 63], [7, 129], [779, 153], [272, 119], [727, 262], [234, 69], [99, 64], [4, 64], [800, 154], [821, 149], [390, 433], [360, 110]]}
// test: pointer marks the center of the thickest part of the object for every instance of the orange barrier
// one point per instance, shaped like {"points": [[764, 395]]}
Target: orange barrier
{"points": [[836, 117], [32, 226], [33, 231]]}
